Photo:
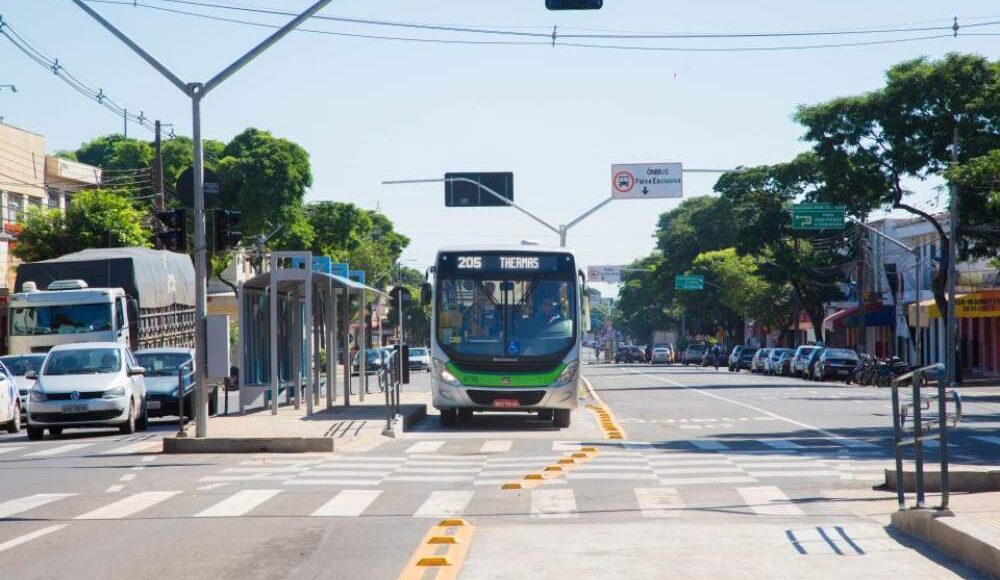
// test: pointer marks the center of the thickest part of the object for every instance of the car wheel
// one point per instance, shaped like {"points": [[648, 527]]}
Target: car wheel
{"points": [[449, 417], [35, 433], [143, 422], [14, 425], [545, 414], [465, 415], [561, 418], [129, 427]]}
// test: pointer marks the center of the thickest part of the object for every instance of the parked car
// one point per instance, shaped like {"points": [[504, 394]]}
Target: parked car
{"points": [[638, 354], [734, 358], [757, 365], [19, 365], [661, 355], [375, 359], [87, 384], [694, 354], [784, 365], [420, 359], [773, 357], [621, 354], [746, 358], [811, 363], [836, 363], [801, 359], [10, 403], [162, 388]]}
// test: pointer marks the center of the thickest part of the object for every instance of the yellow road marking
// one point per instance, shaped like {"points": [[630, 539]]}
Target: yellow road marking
{"points": [[605, 418], [441, 552]]}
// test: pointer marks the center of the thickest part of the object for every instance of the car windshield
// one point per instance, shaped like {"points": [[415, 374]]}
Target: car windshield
{"points": [[371, 355], [20, 365], [841, 353], [805, 352], [162, 364], [415, 352], [73, 319], [83, 361]]}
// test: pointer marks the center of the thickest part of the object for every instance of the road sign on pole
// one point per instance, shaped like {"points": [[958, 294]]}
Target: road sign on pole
{"points": [[642, 180], [695, 282], [606, 274], [818, 216]]}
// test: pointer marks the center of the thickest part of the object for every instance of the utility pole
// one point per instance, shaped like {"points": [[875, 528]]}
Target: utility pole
{"points": [[158, 169], [863, 340], [951, 332], [795, 299], [196, 91], [125, 122]]}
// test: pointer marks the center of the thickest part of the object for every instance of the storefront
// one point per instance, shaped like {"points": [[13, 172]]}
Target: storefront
{"points": [[843, 329], [979, 330]]}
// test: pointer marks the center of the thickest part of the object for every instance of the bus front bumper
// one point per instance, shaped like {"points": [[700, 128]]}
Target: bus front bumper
{"points": [[447, 396]]}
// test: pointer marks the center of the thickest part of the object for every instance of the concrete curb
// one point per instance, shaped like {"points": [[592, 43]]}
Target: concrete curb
{"points": [[958, 480], [969, 541], [248, 445]]}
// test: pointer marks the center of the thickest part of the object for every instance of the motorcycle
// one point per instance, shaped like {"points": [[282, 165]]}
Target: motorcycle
{"points": [[864, 373], [889, 369]]}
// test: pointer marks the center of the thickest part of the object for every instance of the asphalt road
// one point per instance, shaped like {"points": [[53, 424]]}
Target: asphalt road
{"points": [[719, 475]]}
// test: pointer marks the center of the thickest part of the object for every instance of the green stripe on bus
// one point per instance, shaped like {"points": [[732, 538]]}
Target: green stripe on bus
{"points": [[478, 379]]}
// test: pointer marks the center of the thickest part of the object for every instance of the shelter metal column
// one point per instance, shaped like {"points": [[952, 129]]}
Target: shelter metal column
{"points": [[347, 346], [273, 303], [306, 329], [296, 328], [331, 345]]}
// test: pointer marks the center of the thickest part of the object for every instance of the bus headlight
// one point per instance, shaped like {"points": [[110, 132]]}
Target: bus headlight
{"points": [[568, 375], [442, 373]]}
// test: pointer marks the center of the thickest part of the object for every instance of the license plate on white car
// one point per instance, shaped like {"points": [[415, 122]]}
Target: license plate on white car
{"points": [[152, 404], [74, 409]]}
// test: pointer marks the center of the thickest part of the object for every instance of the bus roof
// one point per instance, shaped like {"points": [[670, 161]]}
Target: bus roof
{"points": [[507, 248]]}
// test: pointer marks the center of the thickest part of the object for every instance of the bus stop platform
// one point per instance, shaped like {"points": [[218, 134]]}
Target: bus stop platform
{"points": [[358, 426]]}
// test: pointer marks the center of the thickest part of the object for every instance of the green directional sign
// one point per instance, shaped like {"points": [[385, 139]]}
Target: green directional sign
{"points": [[689, 283], [817, 216]]}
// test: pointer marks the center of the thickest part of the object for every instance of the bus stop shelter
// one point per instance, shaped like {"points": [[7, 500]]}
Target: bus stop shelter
{"points": [[288, 316]]}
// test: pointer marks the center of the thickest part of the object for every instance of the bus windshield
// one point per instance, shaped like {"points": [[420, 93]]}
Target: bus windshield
{"points": [[499, 314]]}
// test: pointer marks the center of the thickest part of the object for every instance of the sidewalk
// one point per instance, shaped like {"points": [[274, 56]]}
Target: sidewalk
{"points": [[356, 427], [968, 532]]}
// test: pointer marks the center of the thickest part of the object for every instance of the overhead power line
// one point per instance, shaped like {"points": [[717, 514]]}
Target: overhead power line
{"points": [[520, 36], [53, 65]]}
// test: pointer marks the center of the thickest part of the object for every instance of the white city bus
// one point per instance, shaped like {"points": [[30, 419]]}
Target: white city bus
{"points": [[507, 323]]}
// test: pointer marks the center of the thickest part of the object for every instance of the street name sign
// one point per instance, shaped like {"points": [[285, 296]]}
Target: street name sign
{"points": [[695, 282], [643, 180], [465, 194], [606, 274], [817, 216]]}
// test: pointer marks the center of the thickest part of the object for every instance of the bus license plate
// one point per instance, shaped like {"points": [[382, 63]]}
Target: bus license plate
{"points": [[506, 403]]}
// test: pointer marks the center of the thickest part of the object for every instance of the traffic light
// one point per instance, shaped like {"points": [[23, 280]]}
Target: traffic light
{"points": [[174, 237], [224, 220], [574, 4]]}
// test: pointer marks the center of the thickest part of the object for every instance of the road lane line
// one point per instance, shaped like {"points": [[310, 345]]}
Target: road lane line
{"points": [[23, 504], [59, 450], [9, 449], [127, 477], [605, 418], [838, 438], [502, 446], [659, 502], [425, 447], [697, 470], [705, 480], [238, 504], [131, 449], [28, 537], [431, 478], [115, 488], [767, 500], [553, 503], [813, 473], [348, 503], [444, 504], [442, 551], [333, 482], [128, 506]]}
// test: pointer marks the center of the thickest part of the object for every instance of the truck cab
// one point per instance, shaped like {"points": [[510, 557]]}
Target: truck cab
{"points": [[68, 311]]}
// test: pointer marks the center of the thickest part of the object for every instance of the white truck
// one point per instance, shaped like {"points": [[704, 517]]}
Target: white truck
{"points": [[138, 297]]}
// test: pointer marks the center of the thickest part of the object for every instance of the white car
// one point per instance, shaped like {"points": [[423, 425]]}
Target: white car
{"points": [[420, 359], [19, 365], [10, 404], [661, 355], [88, 384]]}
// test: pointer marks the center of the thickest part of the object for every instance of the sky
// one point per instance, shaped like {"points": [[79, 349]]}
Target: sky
{"points": [[558, 117]]}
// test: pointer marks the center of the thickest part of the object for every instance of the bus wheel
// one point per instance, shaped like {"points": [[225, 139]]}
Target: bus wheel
{"points": [[449, 417], [561, 418], [465, 415], [545, 414]]}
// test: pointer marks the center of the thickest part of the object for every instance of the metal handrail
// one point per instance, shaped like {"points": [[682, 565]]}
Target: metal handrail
{"points": [[181, 376]]}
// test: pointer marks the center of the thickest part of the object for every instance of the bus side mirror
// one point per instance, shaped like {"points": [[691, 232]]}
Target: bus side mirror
{"points": [[425, 293], [586, 313]]}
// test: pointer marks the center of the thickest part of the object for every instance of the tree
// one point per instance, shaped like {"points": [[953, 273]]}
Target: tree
{"points": [[868, 146], [416, 316], [97, 218], [979, 207], [116, 153]]}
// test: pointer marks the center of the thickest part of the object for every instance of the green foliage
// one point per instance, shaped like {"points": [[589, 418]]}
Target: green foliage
{"points": [[416, 317], [116, 153], [96, 218], [363, 238], [979, 180]]}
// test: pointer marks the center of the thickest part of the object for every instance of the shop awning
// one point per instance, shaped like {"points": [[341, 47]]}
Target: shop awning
{"points": [[876, 314], [982, 304]]}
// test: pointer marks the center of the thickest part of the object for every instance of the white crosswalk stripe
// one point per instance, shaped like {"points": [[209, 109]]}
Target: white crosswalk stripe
{"points": [[553, 503], [9, 449], [30, 536], [348, 503], [58, 450], [769, 501], [425, 447], [23, 504], [238, 504], [133, 448], [659, 502], [444, 504], [497, 446], [128, 506]]}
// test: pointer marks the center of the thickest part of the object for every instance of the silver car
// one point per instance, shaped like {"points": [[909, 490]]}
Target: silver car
{"points": [[661, 355], [90, 384]]}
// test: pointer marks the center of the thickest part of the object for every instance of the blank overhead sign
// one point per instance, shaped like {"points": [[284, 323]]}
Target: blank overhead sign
{"points": [[466, 189]]}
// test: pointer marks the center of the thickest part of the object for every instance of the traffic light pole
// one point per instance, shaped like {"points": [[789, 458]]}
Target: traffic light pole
{"points": [[196, 92]]}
